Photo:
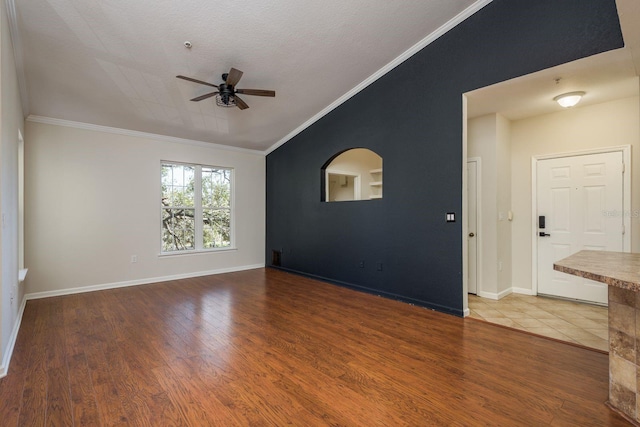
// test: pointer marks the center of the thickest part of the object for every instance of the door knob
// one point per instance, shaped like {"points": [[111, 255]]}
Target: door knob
{"points": [[471, 234], [543, 234]]}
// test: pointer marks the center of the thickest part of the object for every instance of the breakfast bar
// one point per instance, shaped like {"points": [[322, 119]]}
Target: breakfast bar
{"points": [[621, 272]]}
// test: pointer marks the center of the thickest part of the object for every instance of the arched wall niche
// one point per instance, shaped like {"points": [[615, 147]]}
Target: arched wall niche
{"points": [[352, 174]]}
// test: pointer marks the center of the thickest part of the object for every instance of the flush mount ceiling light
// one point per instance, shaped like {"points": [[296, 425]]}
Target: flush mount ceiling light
{"points": [[568, 100]]}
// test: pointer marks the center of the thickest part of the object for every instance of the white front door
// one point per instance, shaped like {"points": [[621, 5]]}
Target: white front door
{"points": [[581, 200], [472, 225]]}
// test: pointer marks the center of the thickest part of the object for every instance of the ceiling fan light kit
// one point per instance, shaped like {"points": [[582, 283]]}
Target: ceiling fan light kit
{"points": [[225, 101], [226, 95]]}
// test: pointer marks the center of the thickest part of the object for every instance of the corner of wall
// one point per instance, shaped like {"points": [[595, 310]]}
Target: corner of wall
{"points": [[11, 123], [6, 357]]}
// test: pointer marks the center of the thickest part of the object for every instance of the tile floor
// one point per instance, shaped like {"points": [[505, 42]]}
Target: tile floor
{"points": [[570, 321]]}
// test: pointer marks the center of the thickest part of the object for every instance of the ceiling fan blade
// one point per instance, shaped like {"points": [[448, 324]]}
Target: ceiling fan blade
{"points": [[205, 96], [196, 81], [257, 92], [240, 103], [234, 77]]}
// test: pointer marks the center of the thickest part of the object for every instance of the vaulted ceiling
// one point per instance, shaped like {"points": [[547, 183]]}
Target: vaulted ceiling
{"points": [[113, 62]]}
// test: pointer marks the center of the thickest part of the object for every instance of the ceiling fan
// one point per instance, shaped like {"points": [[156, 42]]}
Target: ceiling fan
{"points": [[226, 95]]}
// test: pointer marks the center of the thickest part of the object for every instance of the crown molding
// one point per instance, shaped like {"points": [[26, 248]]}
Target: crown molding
{"points": [[18, 55], [138, 134], [476, 6]]}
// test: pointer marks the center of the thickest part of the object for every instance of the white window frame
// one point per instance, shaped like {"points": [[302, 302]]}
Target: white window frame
{"points": [[198, 211]]}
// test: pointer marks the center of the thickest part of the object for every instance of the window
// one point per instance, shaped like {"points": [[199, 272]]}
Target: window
{"points": [[195, 207]]}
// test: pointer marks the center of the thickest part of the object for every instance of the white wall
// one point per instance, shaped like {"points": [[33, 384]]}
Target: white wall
{"points": [[93, 200], [11, 121], [602, 125]]}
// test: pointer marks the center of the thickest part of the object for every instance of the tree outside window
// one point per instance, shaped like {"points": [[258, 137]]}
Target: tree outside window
{"points": [[196, 207]]}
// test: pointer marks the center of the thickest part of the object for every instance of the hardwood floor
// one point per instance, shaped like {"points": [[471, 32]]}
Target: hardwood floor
{"points": [[264, 347]]}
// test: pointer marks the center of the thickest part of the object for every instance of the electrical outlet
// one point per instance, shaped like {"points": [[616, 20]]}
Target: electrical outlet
{"points": [[134, 259], [379, 266], [361, 264]]}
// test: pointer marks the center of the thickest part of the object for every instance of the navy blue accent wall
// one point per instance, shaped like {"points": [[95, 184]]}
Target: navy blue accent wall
{"points": [[408, 249]]}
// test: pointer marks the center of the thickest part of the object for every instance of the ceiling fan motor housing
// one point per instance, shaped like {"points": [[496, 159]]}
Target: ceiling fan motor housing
{"points": [[226, 91]]}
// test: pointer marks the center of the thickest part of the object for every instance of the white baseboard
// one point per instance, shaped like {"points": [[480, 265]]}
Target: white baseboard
{"points": [[498, 296], [488, 295], [466, 312], [522, 291], [93, 288], [6, 359], [495, 296]]}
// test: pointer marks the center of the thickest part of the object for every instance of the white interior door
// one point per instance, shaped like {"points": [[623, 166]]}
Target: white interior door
{"points": [[581, 198], [472, 225]]}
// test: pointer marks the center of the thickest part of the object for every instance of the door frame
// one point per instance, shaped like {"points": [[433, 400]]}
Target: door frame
{"points": [[479, 234], [626, 200], [357, 188]]}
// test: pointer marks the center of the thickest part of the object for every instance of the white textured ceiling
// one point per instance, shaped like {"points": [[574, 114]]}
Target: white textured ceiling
{"points": [[113, 62]]}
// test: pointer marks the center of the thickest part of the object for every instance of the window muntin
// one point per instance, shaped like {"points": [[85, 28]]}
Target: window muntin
{"points": [[196, 207]]}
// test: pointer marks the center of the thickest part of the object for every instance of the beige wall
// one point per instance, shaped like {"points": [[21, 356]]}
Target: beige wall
{"points": [[485, 139], [93, 201], [503, 201], [488, 137], [608, 124], [11, 121]]}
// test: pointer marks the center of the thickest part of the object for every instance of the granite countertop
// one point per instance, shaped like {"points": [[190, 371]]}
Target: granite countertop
{"points": [[620, 269]]}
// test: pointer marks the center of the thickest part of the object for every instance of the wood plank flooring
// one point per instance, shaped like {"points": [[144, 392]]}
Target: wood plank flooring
{"points": [[267, 348]]}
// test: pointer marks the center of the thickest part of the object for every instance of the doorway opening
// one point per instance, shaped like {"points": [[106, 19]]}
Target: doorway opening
{"points": [[354, 174], [512, 125], [474, 219]]}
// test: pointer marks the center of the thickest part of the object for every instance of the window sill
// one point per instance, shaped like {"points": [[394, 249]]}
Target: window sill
{"points": [[195, 252]]}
